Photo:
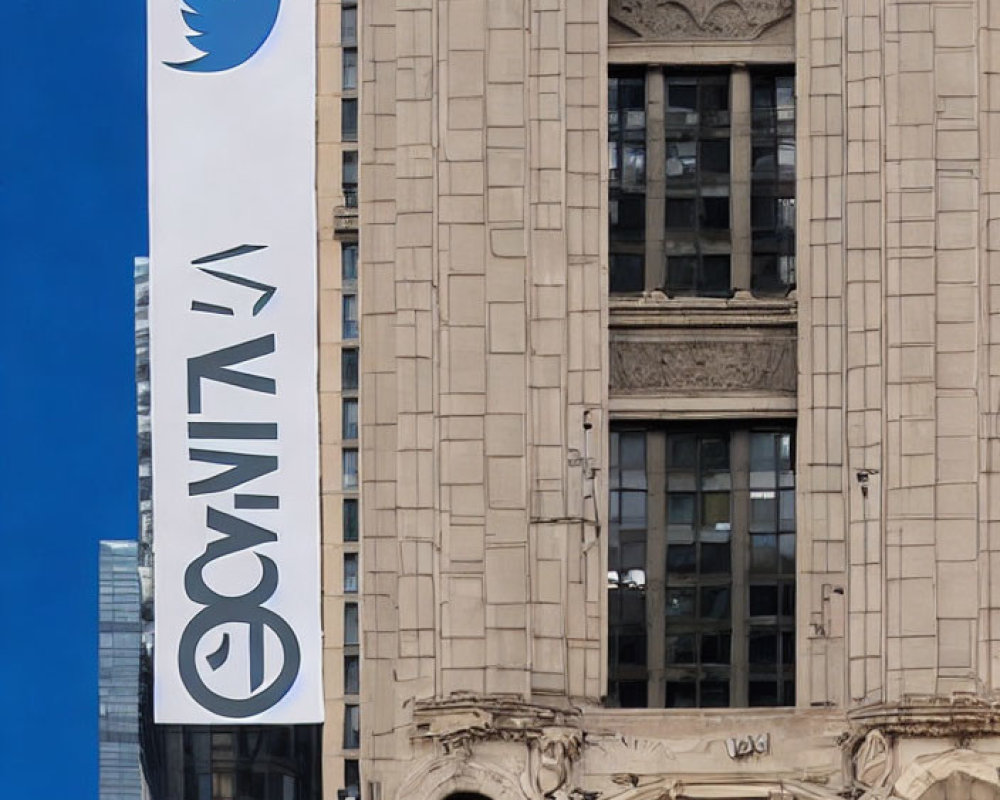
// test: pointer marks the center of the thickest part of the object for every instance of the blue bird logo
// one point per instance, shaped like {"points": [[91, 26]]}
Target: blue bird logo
{"points": [[228, 32]]}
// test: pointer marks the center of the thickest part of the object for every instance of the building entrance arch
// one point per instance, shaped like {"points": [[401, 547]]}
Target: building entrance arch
{"points": [[457, 778]]}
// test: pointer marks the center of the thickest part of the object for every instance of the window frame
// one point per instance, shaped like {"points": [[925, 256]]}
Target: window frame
{"points": [[652, 261], [652, 532]]}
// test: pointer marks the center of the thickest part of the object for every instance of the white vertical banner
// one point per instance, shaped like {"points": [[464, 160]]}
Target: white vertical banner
{"points": [[235, 441]]}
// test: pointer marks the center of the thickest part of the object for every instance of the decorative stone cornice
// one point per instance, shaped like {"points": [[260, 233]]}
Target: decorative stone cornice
{"points": [[700, 19], [960, 716]]}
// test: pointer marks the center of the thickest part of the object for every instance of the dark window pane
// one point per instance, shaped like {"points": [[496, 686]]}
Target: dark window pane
{"points": [[632, 694], [715, 558], [632, 451], [348, 25], [632, 649], [680, 273], [633, 509], [352, 675], [682, 451], [786, 552], [763, 601], [349, 262], [715, 602], [680, 695], [715, 275], [788, 599], [763, 647], [349, 120], [627, 179], [787, 647], [349, 468], [773, 184], [680, 213], [714, 694], [763, 693], [352, 776], [349, 422], [763, 553], [680, 508], [349, 369], [350, 573], [680, 558], [763, 510], [714, 454], [349, 73], [680, 649], [350, 519], [349, 303], [715, 156], [789, 691], [350, 623], [680, 603], [682, 95], [352, 727], [715, 213], [628, 217], [715, 647], [627, 273]]}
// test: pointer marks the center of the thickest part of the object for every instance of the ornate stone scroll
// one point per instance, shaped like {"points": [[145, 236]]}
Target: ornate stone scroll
{"points": [[700, 19], [705, 366]]}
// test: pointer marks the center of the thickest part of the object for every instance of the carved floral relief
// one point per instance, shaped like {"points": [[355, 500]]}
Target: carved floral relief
{"points": [[700, 19], [703, 366]]}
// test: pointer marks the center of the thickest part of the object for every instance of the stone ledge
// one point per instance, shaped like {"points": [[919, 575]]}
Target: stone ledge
{"points": [[656, 310], [960, 716]]}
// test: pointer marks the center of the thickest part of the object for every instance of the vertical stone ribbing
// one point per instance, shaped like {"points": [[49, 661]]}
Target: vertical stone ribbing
{"points": [[822, 468], [483, 310]]}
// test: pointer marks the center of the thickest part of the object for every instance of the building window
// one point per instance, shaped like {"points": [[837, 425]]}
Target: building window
{"points": [[349, 318], [349, 369], [349, 262], [348, 25], [350, 519], [697, 243], [674, 222], [627, 179], [772, 202], [350, 623], [350, 467], [349, 120], [349, 69], [350, 573], [352, 778], [352, 727], [708, 513], [349, 177], [350, 418], [352, 674]]}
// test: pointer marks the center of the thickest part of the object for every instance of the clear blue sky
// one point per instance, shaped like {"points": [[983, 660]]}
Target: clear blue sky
{"points": [[72, 216]]}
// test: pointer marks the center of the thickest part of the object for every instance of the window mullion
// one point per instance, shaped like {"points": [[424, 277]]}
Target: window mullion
{"points": [[740, 166], [740, 466], [656, 565], [656, 171]]}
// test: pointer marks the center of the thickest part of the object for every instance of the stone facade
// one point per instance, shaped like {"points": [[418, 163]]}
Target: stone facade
{"points": [[495, 365]]}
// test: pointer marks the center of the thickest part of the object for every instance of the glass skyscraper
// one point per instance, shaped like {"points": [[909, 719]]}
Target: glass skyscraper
{"points": [[120, 631]]}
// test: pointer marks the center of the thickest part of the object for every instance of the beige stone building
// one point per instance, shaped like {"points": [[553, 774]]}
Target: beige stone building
{"points": [[678, 429]]}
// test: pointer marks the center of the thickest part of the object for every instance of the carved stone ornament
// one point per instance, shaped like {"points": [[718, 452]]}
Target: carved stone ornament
{"points": [[700, 19], [552, 737], [706, 366], [873, 761]]}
